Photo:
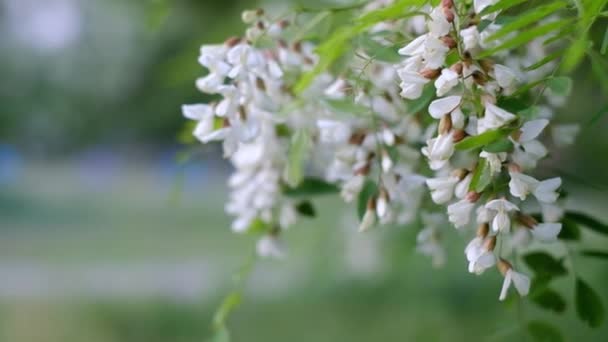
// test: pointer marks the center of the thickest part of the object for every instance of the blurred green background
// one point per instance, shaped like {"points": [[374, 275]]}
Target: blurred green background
{"points": [[105, 237]]}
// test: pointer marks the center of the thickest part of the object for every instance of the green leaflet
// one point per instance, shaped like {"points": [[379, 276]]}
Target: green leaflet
{"points": [[544, 265], [340, 41], [482, 140], [561, 86], [347, 106], [482, 176], [549, 299], [588, 304], [587, 221], [544, 332], [527, 18], [501, 6], [298, 150], [526, 37], [595, 254], [544, 61], [369, 189], [311, 187]]}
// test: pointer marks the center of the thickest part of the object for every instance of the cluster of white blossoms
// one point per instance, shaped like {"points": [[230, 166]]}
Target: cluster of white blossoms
{"points": [[372, 129]]}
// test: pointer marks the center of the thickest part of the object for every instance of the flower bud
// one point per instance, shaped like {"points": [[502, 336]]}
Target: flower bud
{"points": [[445, 124], [483, 230], [460, 173], [449, 41], [490, 243], [363, 170], [430, 73], [472, 196], [382, 203], [369, 218], [479, 77], [284, 24], [458, 135], [486, 65], [457, 68], [449, 14], [356, 138], [527, 220], [503, 266], [232, 41], [249, 16], [515, 168], [447, 3]]}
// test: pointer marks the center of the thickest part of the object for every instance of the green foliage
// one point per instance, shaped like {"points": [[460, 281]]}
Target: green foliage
{"points": [[311, 187], [570, 230], [560, 86], [481, 177], [305, 208], [501, 5], [298, 153], [588, 304], [587, 221], [502, 145], [482, 139], [377, 51], [347, 106], [549, 299], [544, 332], [369, 190], [595, 254], [527, 18], [544, 265], [422, 103]]}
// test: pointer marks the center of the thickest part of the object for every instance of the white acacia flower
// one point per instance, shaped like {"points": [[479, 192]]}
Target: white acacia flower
{"points": [[482, 261], [458, 118], [439, 150], [333, 131], [484, 215], [352, 188], [495, 117], [205, 116], [462, 188], [470, 38], [369, 219], [551, 212], [565, 134], [532, 129], [546, 232], [435, 52], [270, 247], [415, 47], [446, 81], [521, 185], [287, 215], [519, 280], [528, 154], [438, 25], [480, 5], [443, 106], [459, 213], [442, 188], [546, 191], [505, 77], [428, 244], [494, 160], [501, 221]]}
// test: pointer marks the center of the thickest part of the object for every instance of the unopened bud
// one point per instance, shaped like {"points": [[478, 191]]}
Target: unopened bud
{"points": [[445, 124], [284, 24], [449, 14], [297, 46], [479, 77], [356, 138], [233, 41], [447, 3], [527, 221], [259, 12], [249, 16], [382, 203], [515, 168], [460, 173], [430, 73], [260, 25], [486, 65], [458, 135], [457, 68], [449, 41], [503, 266], [516, 135], [472, 196], [259, 83], [483, 230], [363, 170], [490, 243]]}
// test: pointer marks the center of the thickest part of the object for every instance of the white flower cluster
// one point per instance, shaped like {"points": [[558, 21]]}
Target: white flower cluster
{"points": [[368, 133]]}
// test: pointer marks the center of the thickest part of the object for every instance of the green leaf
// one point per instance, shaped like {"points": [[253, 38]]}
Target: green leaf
{"points": [[230, 302], [529, 113], [595, 254], [298, 151], [544, 332], [311, 187], [482, 140], [570, 230], [574, 54], [588, 304], [544, 61], [378, 51], [482, 176], [527, 18], [258, 226], [422, 103], [347, 106], [604, 47], [221, 334], [369, 189], [526, 36], [545, 265], [503, 145], [501, 6], [549, 299], [587, 221], [560, 86], [305, 208]]}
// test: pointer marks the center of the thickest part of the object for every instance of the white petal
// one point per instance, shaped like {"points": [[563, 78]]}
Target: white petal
{"points": [[546, 191], [505, 285], [532, 129], [547, 232], [521, 282], [443, 106]]}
